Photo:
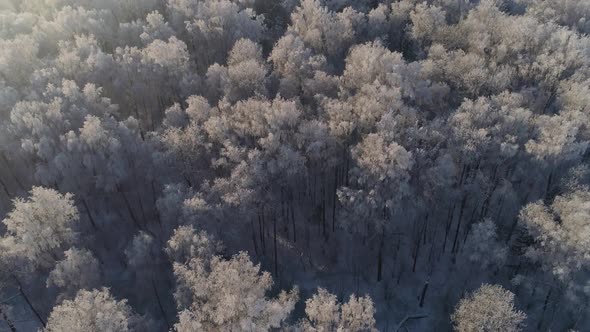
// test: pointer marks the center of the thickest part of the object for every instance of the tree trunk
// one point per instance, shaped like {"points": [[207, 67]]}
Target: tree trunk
{"points": [[323, 221], [90, 218], [463, 173], [313, 189], [417, 243], [160, 304], [347, 167], [9, 167], [4, 317], [292, 214], [335, 200], [266, 231], [548, 186], [275, 247], [143, 215], [261, 230], [254, 237], [512, 228], [425, 231], [128, 206], [463, 203], [500, 207], [380, 257], [283, 213], [448, 226], [307, 234], [469, 225], [486, 203], [423, 295], [544, 308], [154, 201], [5, 188], [26, 298]]}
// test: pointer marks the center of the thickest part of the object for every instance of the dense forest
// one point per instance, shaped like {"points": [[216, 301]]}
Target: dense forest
{"points": [[294, 165]]}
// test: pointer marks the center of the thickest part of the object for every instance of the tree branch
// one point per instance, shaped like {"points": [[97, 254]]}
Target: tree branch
{"points": [[407, 318]]}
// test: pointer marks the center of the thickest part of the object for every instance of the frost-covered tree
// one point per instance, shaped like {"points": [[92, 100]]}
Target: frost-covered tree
{"points": [[325, 313], [187, 243], [370, 204], [78, 270], [295, 63], [489, 308], [324, 31], [214, 26], [427, 21], [483, 246], [185, 145], [18, 60], [156, 28], [568, 13], [92, 311], [140, 252], [41, 226], [504, 115], [246, 72], [229, 295], [558, 138], [560, 242], [42, 125], [161, 72], [68, 21]]}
